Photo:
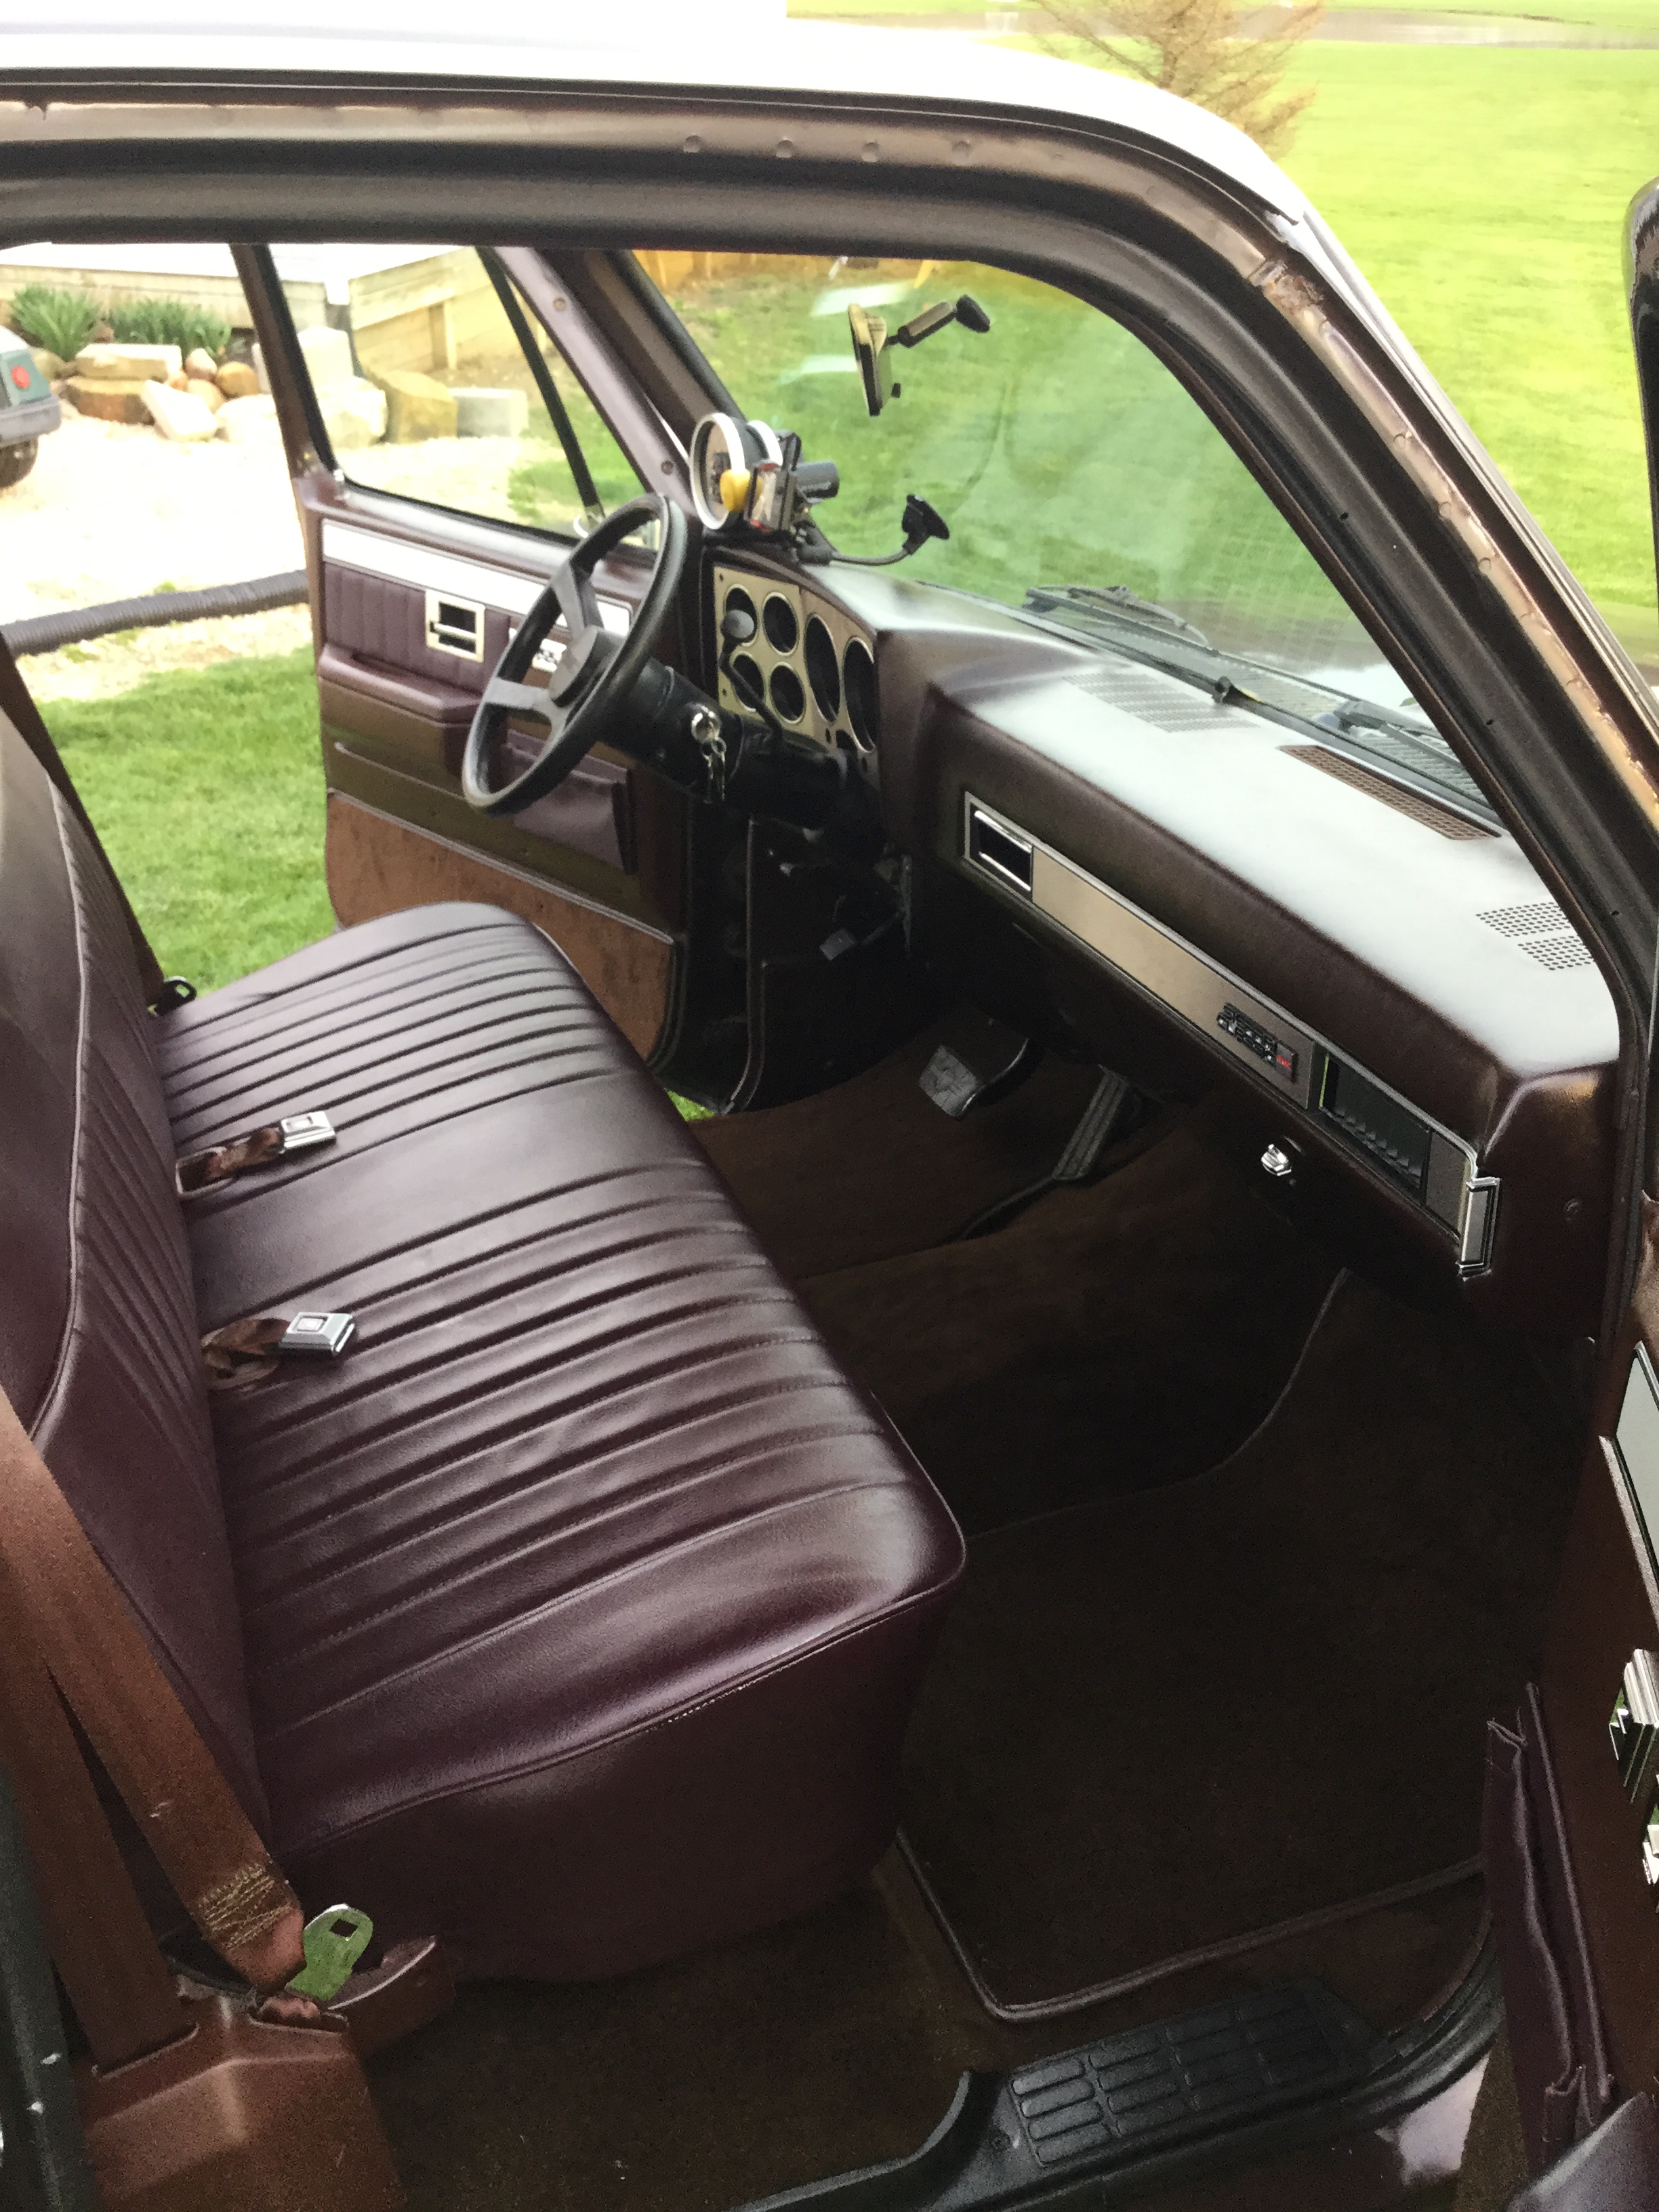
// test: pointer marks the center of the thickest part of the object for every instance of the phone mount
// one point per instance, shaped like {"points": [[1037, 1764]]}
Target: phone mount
{"points": [[873, 343]]}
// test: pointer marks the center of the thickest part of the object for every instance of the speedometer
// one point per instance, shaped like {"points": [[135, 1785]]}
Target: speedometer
{"points": [[723, 453]]}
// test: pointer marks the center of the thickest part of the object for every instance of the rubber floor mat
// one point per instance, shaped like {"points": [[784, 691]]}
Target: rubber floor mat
{"points": [[1161, 1724]]}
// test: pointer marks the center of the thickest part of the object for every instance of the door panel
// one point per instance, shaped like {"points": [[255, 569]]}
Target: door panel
{"points": [[379, 865], [1578, 1930], [595, 863], [413, 604]]}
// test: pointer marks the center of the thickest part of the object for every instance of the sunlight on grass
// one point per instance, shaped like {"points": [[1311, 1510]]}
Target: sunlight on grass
{"points": [[1483, 193], [207, 788]]}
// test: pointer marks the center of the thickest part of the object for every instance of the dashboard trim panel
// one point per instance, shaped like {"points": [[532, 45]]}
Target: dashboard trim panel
{"points": [[1295, 1063]]}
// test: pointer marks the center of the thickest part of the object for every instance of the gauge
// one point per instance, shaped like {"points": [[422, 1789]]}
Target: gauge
{"points": [[724, 448]]}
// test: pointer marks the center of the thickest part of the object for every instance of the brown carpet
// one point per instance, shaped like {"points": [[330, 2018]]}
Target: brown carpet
{"points": [[1128, 1333], [793, 2054], [873, 1168], [1167, 1720]]}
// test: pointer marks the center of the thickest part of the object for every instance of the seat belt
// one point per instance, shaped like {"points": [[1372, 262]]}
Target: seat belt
{"points": [[135, 1721], [17, 705], [117, 1981]]}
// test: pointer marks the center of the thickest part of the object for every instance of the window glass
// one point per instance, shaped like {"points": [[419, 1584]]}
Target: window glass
{"points": [[1061, 452], [427, 390]]}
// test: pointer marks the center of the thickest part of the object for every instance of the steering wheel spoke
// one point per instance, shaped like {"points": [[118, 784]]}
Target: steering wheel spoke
{"points": [[530, 699], [595, 672], [578, 601]]}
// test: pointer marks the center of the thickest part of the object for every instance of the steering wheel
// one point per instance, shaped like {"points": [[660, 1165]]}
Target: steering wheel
{"points": [[595, 673]]}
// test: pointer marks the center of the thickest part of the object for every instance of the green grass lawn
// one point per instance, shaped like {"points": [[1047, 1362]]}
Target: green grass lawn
{"points": [[207, 789], [1483, 193]]}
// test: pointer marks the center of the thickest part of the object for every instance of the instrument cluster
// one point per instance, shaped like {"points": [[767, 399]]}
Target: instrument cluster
{"points": [[810, 662]]}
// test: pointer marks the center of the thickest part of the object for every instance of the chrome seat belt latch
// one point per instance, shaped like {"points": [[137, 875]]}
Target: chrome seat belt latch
{"points": [[259, 1148], [302, 1133], [316, 1335]]}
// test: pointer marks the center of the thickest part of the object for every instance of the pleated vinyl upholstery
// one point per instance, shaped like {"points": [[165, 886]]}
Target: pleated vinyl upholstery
{"points": [[584, 1598], [98, 1337]]}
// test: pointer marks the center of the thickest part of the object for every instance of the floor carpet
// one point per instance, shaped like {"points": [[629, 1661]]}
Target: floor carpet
{"points": [[699, 2085], [1130, 1333], [873, 1168], [1163, 1721]]}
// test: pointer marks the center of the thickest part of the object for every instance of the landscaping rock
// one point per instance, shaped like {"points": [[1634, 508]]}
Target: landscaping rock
{"points": [[238, 379], [200, 363], [112, 399], [204, 389], [49, 364], [130, 363], [179, 415], [328, 355], [354, 414], [417, 407], [484, 413], [250, 420]]}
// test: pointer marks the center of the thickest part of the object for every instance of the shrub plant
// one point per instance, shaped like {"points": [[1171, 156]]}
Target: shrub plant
{"points": [[59, 320]]}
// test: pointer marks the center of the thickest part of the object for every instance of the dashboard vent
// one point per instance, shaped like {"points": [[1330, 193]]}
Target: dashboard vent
{"points": [[1542, 932], [1162, 700], [1440, 819]]}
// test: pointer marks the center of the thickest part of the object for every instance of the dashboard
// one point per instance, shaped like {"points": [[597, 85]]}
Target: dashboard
{"points": [[1337, 924]]}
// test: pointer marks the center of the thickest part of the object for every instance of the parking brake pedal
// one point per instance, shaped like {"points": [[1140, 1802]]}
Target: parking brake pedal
{"points": [[980, 1061]]}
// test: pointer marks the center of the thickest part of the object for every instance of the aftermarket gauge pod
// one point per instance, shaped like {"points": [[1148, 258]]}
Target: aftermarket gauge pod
{"points": [[724, 453]]}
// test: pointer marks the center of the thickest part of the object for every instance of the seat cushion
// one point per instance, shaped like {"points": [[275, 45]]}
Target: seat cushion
{"points": [[584, 1598]]}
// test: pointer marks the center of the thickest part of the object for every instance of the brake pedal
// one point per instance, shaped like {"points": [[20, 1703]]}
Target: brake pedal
{"points": [[980, 1061]]}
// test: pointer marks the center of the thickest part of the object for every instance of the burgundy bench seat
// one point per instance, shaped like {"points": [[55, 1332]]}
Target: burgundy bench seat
{"points": [[574, 1614]]}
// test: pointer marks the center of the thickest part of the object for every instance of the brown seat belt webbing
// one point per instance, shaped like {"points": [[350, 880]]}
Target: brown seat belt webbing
{"points": [[18, 707], [117, 1981], [111, 1682]]}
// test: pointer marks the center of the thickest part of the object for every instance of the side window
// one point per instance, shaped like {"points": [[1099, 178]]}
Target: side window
{"points": [[435, 381]]}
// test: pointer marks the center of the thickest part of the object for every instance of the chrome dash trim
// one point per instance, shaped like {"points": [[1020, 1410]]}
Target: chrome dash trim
{"points": [[1456, 1197]]}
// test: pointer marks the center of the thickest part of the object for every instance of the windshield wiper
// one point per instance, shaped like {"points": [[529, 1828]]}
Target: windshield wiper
{"points": [[1391, 739], [1110, 600]]}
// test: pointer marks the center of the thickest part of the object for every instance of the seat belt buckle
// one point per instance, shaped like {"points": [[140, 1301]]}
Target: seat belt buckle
{"points": [[259, 1148], [316, 1335], [301, 1133]]}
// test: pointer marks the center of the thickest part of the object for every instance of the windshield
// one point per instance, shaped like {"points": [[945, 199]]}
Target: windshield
{"points": [[1059, 450]]}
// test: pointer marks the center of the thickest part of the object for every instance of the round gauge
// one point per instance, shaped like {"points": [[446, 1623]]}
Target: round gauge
{"points": [[822, 671], [858, 671], [717, 450], [738, 601], [778, 618], [788, 696], [747, 681], [722, 448]]}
